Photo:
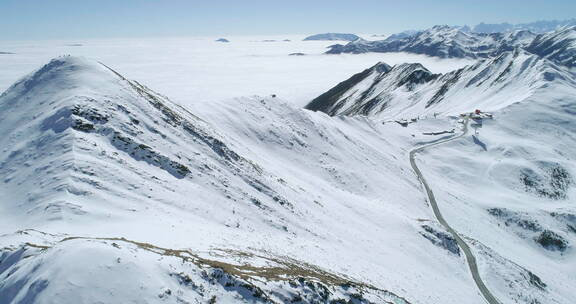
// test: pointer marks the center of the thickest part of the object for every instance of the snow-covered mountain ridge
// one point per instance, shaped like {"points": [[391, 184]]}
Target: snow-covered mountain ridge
{"points": [[89, 118], [536, 27], [558, 46], [442, 41], [454, 42], [409, 90]]}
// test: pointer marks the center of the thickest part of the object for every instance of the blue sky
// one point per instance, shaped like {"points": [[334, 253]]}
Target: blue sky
{"points": [[71, 19]]}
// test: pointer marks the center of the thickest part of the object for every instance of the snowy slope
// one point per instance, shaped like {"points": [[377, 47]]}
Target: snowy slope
{"points": [[559, 46], [259, 201], [509, 190], [402, 35], [444, 42], [409, 90], [514, 280], [278, 204], [76, 131], [514, 182]]}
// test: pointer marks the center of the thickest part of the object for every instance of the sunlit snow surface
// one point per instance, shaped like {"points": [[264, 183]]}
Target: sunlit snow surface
{"points": [[193, 70], [323, 195]]}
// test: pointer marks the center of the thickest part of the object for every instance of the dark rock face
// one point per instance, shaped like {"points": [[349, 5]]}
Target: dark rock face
{"points": [[327, 102], [448, 81], [552, 241], [529, 228], [222, 40], [552, 181], [511, 218], [142, 152], [441, 238], [536, 281], [332, 36], [567, 219], [414, 74]]}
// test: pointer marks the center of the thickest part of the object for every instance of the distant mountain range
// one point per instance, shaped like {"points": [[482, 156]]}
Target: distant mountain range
{"points": [[536, 27], [453, 42], [441, 41]]}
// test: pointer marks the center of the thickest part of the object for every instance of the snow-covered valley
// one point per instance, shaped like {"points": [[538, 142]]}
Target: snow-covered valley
{"points": [[112, 192]]}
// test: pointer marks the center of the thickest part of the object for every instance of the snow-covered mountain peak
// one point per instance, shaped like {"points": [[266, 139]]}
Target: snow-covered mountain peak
{"points": [[411, 89], [63, 73], [558, 46], [411, 67], [77, 131], [406, 74], [566, 33], [409, 72], [410, 75], [381, 67], [366, 85], [443, 27], [446, 31]]}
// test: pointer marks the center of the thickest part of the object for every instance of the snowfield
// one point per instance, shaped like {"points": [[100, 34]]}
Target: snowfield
{"points": [[218, 192]]}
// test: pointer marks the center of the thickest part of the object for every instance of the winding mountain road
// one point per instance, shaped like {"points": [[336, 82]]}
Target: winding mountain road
{"points": [[470, 258]]}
